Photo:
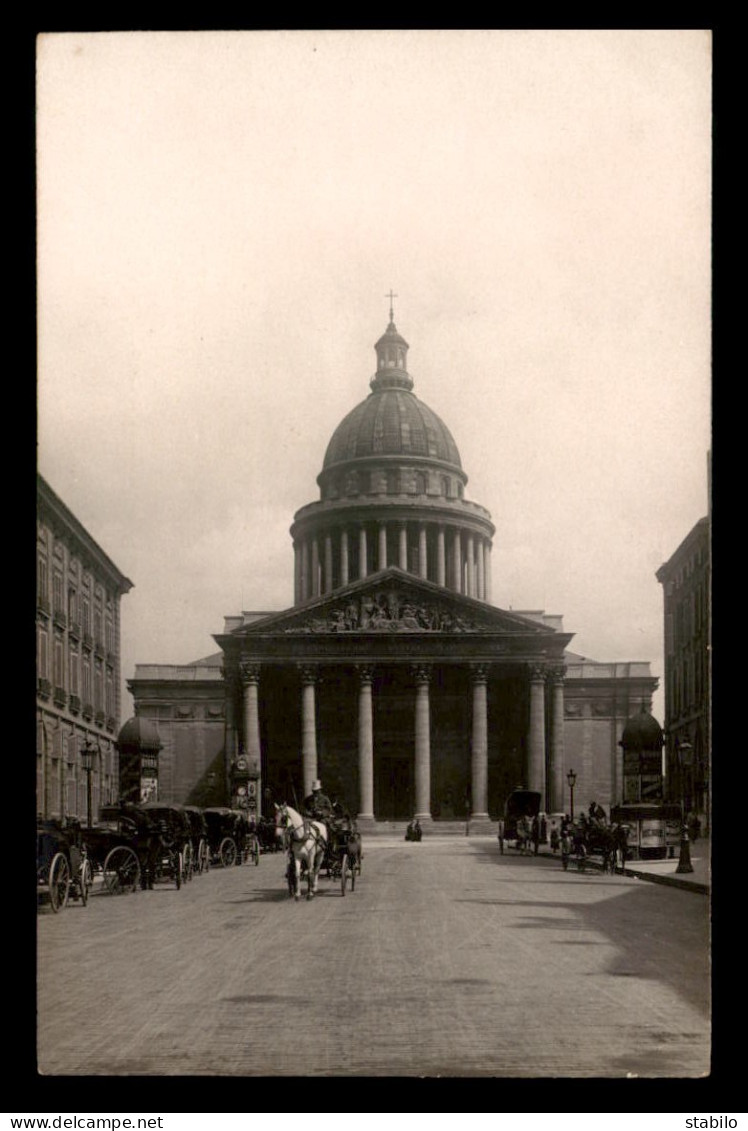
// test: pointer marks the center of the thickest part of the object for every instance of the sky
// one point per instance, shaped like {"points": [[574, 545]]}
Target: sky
{"points": [[220, 217]]}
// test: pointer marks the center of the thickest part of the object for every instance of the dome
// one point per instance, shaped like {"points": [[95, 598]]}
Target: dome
{"points": [[391, 421], [139, 732], [643, 732]]}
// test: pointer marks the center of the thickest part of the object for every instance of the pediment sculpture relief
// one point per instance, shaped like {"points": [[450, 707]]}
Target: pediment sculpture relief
{"points": [[387, 612]]}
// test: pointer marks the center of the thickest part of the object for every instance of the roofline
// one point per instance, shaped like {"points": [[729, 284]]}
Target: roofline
{"points": [[47, 497], [662, 573]]}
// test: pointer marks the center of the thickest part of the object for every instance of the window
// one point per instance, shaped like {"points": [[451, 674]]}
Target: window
{"points": [[59, 665], [42, 657], [42, 579], [74, 674], [57, 592]]}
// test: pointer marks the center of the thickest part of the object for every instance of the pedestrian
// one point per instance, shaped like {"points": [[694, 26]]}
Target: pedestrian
{"points": [[535, 834]]}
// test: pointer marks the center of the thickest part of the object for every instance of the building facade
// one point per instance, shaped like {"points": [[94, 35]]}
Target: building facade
{"points": [[393, 676], [686, 582], [78, 664]]}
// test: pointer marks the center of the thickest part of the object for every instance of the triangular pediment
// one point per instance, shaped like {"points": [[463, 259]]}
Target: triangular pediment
{"points": [[393, 602]]}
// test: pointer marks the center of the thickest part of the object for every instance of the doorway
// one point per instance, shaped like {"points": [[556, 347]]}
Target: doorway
{"points": [[394, 788]]}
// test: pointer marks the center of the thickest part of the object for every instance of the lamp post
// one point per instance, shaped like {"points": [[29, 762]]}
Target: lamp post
{"points": [[571, 777], [88, 753], [684, 858]]}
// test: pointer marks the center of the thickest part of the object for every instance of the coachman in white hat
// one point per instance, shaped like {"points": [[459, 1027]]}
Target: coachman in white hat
{"points": [[318, 805]]}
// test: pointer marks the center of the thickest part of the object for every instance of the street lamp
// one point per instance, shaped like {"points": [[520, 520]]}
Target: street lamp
{"points": [[571, 777], [684, 858], [88, 753]]}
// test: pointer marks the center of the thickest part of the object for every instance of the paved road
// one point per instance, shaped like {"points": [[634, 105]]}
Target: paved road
{"points": [[448, 959]]}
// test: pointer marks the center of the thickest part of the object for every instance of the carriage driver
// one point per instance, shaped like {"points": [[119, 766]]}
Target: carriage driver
{"points": [[318, 805]]}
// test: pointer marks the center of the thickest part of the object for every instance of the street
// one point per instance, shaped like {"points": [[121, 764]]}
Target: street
{"points": [[447, 960]]}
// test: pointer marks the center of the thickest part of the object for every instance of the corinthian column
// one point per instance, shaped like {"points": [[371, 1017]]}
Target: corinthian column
{"points": [[536, 737], [423, 567], [328, 563], [403, 546], [557, 738], [441, 560], [343, 557], [479, 746], [315, 568], [382, 545], [250, 674], [470, 566], [365, 745], [308, 726], [422, 675], [362, 555], [456, 561], [296, 573]]}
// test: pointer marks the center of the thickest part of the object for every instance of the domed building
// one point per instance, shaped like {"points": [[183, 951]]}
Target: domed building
{"points": [[392, 677]]}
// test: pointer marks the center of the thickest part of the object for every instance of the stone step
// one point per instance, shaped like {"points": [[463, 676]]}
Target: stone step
{"points": [[433, 828]]}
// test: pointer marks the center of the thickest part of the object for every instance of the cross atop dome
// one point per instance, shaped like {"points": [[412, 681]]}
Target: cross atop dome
{"points": [[392, 353]]}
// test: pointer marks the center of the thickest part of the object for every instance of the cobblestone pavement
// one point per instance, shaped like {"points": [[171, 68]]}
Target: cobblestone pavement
{"points": [[447, 960]]}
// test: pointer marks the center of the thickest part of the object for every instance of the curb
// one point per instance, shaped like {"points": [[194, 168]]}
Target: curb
{"points": [[669, 881]]}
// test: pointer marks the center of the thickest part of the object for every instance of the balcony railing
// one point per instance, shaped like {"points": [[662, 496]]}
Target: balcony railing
{"points": [[43, 687], [87, 638], [59, 618], [111, 723], [99, 720], [87, 710], [74, 629], [60, 698], [43, 605], [74, 704]]}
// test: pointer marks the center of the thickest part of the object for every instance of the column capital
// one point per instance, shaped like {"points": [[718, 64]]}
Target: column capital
{"points": [[365, 672], [479, 673], [537, 672], [249, 671], [309, 673], [421, 673], [556, 672]]}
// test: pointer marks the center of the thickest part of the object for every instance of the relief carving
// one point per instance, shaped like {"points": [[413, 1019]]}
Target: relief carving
{"points": [[387, 611]]}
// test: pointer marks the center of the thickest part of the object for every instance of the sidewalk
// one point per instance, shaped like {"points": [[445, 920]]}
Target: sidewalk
{"points": [[665, 871]]}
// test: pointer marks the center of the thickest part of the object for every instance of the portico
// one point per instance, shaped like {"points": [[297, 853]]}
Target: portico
{"points": [[404, 699]]}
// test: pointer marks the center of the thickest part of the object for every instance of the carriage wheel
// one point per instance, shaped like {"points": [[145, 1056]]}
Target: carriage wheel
{"points": [[187, 861], [59, 882], [85, 880], [227, 852], [345, 872], [254, 850], [177, 869], [121, 870], [203, 858]]}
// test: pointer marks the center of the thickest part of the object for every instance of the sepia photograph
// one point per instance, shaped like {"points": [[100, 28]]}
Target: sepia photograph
{"points": [[373, 550]]}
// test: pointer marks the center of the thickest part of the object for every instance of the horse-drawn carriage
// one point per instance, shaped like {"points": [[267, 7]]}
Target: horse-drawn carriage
{"points": [[169, 850], [227, 835], [136, 845], [522, 807], [593, 841], [343, 855], [268, 835], [198, 828], [313, 845], [63, 870]]}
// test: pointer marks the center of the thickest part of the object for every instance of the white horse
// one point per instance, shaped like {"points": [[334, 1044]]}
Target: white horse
{"points": [[308, 841]]}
